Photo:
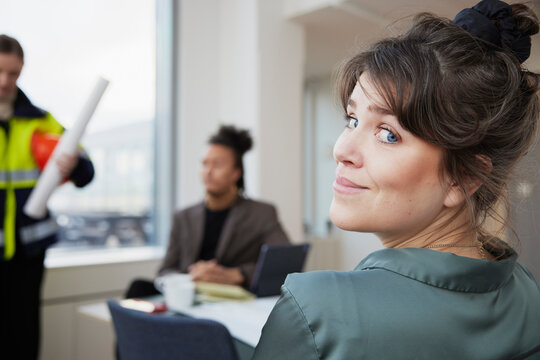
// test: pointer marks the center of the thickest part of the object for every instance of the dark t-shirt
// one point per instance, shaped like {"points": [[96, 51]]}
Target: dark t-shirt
{"points": [[213, 226]]}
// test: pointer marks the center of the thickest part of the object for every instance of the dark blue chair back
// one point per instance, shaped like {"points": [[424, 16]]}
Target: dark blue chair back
{"points": [[143, 336]]}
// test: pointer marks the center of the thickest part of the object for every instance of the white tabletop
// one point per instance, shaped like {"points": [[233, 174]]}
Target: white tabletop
{"points": [[244, 320]]}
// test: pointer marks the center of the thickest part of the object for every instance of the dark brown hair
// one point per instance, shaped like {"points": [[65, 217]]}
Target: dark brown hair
{"points": [[451, 89], [9, 45], [239, 141]]}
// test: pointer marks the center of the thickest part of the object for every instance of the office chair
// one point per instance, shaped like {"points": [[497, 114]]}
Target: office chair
{"points": [[143, 336]]}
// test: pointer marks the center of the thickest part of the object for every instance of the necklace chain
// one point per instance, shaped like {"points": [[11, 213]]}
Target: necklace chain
{"points": [[451, 245], [478, 244]]}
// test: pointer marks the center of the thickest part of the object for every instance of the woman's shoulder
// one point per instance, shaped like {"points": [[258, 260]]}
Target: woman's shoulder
{"points": [[526, 279], [306, 280], [327, 286], [330, 310]]}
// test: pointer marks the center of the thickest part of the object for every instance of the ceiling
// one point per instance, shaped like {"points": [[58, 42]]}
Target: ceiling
{"points": [[336, 29]]}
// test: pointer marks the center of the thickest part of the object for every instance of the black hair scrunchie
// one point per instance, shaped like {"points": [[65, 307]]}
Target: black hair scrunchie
{"points": [[492, 21]]}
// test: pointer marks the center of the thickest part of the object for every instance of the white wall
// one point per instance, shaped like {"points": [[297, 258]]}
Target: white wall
{"points": [[198, 95], [238, 78], [525, 212], [242, 63], [281, 66]]}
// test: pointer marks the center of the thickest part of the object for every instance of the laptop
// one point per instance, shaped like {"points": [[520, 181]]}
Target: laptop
{"points": [[274, 264]]}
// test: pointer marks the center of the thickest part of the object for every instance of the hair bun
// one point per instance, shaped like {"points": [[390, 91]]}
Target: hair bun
{"points": [[238, 139], [501, 25], [526, 20]]}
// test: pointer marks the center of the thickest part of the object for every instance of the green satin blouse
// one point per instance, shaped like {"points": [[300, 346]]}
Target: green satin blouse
{"points": [[407, 304]]}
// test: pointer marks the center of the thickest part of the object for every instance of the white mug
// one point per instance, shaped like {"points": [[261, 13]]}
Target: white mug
{"points": [[178, 289]]}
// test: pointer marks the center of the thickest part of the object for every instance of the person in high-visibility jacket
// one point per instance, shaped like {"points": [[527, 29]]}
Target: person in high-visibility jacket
{"points": [[23, 240]]}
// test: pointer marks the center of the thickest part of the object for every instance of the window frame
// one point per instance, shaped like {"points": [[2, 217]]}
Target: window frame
{"points": [[165, 159]]}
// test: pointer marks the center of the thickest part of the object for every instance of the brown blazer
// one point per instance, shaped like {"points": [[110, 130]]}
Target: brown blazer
{"points": [[249, 225]]}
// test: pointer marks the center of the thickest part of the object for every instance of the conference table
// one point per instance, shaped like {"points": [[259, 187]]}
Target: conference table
{"points": [[243, 319]]}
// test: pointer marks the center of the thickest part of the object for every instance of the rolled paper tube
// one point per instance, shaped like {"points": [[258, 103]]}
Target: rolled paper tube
{"points": [[50, 178]]}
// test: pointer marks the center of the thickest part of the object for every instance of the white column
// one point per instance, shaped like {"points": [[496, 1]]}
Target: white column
{"points": [[281, 78], [198, 95], [242, 63]]}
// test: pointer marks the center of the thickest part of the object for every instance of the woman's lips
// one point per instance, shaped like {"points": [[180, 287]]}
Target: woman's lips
{"points": [[346, 186]]}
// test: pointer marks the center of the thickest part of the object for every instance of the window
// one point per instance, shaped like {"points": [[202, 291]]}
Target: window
{"points": [[322, 126], [67, 46]]}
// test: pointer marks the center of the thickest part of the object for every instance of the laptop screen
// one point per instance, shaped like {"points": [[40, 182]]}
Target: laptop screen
{"points": [[274, 264]]}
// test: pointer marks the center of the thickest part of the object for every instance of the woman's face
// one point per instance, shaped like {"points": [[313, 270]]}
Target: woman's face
{"points": [[387, 180]]}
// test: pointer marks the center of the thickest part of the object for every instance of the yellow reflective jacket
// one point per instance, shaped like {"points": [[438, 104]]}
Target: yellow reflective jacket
{"points": [[19, 174]]}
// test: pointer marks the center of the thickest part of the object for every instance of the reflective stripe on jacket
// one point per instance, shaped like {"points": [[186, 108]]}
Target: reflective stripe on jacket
{"points": [[35, 232]]}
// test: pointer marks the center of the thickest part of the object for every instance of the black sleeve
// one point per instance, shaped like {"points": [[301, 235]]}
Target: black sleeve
{"points": [[171, 261], [83, 172]]}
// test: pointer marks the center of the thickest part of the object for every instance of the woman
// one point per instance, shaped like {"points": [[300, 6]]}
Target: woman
{"points": [[436, 119], [24, 240]]}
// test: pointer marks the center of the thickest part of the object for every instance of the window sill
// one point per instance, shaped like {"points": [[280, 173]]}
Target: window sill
{"points": [[60, 258]]}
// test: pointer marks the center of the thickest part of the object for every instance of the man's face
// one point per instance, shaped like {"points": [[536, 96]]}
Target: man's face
{"points": [[219, 172], [10, 69]]}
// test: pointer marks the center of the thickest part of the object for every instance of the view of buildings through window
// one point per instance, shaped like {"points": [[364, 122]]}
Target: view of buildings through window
{"points": [[67, 46]]}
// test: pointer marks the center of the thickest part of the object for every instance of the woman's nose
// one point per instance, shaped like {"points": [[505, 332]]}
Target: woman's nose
{"points": [[347, 149]]}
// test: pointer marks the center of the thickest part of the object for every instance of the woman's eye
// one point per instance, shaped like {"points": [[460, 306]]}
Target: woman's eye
{"points": [[386, 136], [352, 122]]}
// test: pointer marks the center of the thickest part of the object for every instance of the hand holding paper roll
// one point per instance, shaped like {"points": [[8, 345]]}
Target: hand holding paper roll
{"points": [[66, 162], [36, 206]]}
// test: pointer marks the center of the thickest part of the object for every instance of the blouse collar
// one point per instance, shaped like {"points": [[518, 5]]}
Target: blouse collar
{"points": [[443, 270]]}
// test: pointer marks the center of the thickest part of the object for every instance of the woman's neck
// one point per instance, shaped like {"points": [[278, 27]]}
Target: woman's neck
{"points": [[221, 201], [448, 233]]}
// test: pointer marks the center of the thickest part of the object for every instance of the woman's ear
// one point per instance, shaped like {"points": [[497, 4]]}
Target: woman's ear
{"points": [[456, 194]]}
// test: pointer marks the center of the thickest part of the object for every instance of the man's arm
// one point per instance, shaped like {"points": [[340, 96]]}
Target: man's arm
{"points": [[171, 262], [211, 271]]}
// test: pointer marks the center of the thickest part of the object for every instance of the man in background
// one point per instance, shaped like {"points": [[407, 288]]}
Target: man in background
{"points": [[219, 239]]}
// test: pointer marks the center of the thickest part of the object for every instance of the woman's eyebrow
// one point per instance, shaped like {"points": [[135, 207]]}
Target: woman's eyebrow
{"points": [[372, 108], [379, 110]]}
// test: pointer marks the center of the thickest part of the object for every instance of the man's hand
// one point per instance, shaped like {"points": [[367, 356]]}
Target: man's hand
{"points": [[211, 271], [66, 162]]}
